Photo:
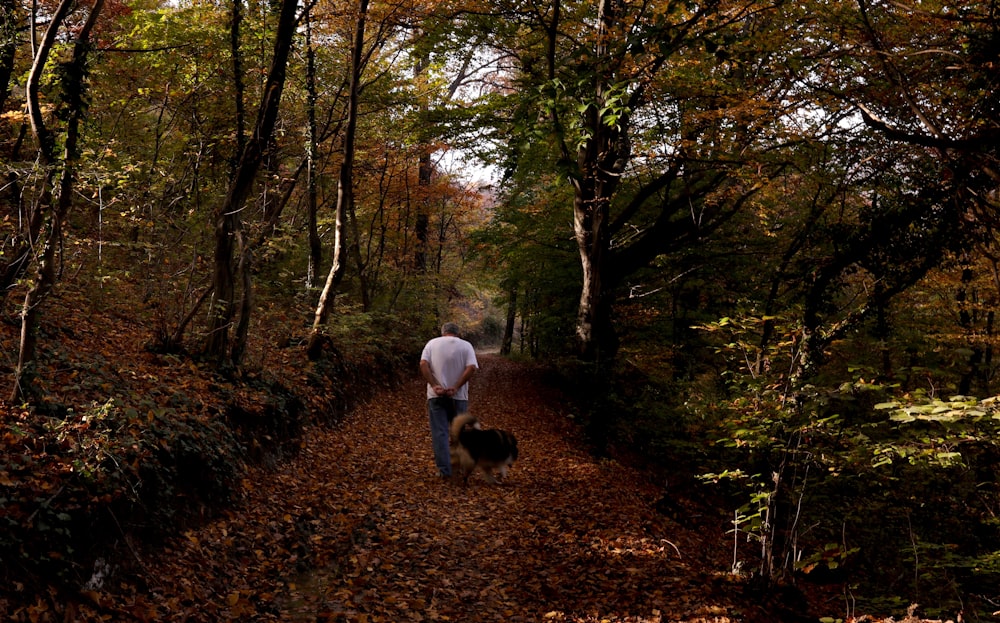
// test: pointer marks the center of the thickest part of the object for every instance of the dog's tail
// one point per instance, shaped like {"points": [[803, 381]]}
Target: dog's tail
{"points": [[460, 422]]}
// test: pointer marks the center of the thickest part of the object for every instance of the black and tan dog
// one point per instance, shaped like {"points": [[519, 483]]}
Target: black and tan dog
{"points": [[474, 448]]}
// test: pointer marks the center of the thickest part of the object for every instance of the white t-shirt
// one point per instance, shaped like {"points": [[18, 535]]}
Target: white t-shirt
{"points": [[448, 357]]}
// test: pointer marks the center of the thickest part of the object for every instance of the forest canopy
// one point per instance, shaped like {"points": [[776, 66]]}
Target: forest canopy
{"points": [[767, 228]]}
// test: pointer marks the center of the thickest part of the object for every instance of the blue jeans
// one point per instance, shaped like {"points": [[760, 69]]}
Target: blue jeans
{"points": [[438, 413]]}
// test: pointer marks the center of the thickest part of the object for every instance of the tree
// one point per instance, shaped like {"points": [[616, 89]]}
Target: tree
{"points": [[312, 156], [345, 186], [228, 229], [926, 116], [9, 26], [690, 89], [56, 195]]}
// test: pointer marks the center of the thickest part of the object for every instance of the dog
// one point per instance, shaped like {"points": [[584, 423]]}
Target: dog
{"points": [[474, 448]]}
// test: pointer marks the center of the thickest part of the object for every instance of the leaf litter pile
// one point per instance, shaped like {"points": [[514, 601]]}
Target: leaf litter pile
{"points": [[359, 527]]}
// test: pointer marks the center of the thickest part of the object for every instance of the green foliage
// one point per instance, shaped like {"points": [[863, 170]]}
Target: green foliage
{"points": [[890, 495], [528, 237], [815, 465]]}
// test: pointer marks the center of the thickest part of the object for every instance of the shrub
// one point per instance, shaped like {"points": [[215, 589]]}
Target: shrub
{"points": [[74, 487]]}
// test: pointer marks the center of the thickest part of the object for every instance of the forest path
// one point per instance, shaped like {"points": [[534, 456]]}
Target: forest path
{"points": [[377, 536]]}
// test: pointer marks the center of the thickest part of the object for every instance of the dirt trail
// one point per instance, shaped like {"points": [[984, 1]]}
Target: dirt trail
{"points": [[377, 536]]}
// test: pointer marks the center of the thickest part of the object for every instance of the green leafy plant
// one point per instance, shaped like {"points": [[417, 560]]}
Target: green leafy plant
{"points": [[808, 469]]}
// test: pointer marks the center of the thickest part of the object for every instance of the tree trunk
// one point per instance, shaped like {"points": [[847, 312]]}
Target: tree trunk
{"points": [[359, 262], [600, 161], [246, 299], [239, 88], [312, 152], [345, 189], [422, 227], [508, 330], [56, 207], [987, 366], [966, 319], [593, 321], [8, 46], [227, 221], [44, 278]]}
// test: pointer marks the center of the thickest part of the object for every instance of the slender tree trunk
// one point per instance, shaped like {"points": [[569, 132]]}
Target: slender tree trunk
{"points": [[227, 221], [424, 171], [44, 278], [423, 222], [967, 318], [55, 207], [9, 24], [236, 51], [359, 262], [883, 328], [312, 152], [345, 188], [987, 366], [223, 284], [246, 300], [43, 135], [508, 331], [425, 166]]}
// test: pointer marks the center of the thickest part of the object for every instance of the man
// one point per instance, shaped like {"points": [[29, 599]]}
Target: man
{"points": [[446, 363]]}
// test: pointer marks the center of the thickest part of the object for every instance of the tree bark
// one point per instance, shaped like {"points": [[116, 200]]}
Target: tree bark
{"points": [[227, 219], [56, 208], [600, 161], [237, 53], [312, 152], [345, 189], [355, 251], [508, 331], [8, 46]]}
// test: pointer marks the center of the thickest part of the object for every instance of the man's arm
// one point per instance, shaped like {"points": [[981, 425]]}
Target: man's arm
{"points": [[466, 375], [425, 371]]}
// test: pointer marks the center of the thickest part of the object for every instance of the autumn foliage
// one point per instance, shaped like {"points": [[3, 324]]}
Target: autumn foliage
{"points": [[752, 243], [355, 525]]}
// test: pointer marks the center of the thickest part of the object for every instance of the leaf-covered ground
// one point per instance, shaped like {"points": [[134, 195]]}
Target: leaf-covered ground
{"points": [[358, 527]]}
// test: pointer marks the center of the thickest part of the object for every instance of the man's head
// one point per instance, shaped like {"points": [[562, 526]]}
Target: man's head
{"points": [[450, 328]]}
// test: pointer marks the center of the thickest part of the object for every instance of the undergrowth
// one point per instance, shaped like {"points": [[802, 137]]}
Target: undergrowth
{"points": [[884, 497], [160, 448]]}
